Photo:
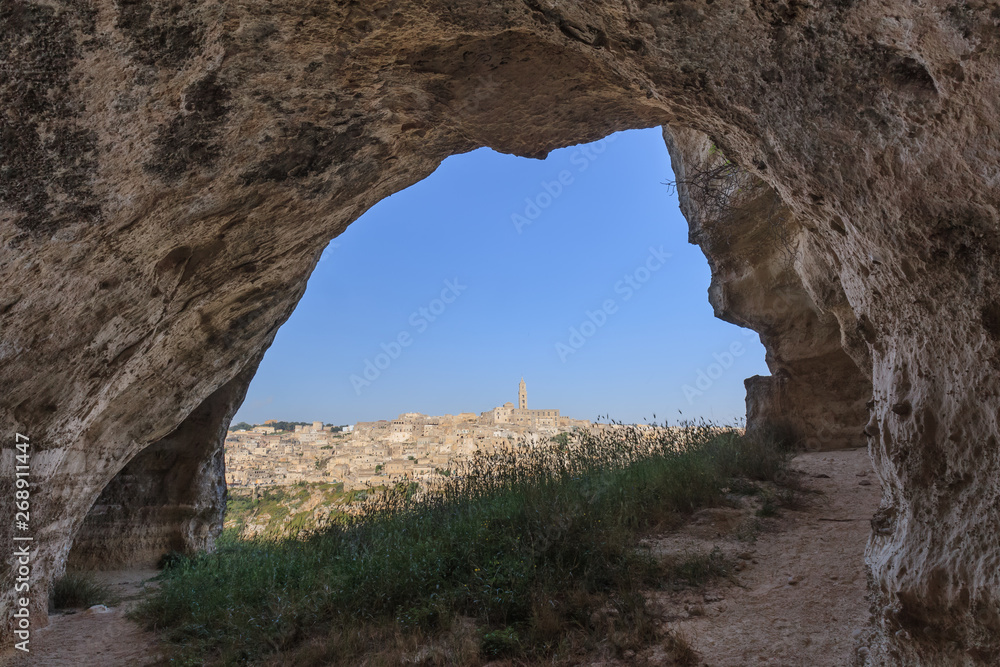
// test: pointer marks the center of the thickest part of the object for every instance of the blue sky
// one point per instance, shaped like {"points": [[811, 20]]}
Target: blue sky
{"points": [[573, 271]]}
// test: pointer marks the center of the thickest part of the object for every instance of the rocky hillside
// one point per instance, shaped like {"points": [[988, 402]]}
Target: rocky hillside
{"points": [[286, 511]]}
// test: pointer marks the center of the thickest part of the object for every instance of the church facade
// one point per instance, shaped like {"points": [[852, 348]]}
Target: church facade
{"points": [[521, 415]]}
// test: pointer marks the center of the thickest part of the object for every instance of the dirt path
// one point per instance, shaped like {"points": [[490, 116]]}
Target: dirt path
{"points": [[801, 593], [97, 636]]}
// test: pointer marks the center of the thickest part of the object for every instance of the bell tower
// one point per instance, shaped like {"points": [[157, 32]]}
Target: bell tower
{"points": [[522, 396]]}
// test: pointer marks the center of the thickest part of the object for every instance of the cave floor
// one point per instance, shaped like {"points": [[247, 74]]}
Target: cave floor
{"points": [[799, 595], [797, 598], [96, 636]]}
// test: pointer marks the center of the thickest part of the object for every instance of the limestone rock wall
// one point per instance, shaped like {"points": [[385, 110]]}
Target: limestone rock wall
{"points": [[170, 497], [170, 173], [769, 276]]}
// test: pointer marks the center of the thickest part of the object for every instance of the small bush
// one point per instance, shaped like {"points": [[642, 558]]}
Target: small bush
{"points": [[76, 590], [726, 192], [428, 617], [173, 559], [500, 643], [744, 487], [681, 651], [790, 498], [699, 569]]}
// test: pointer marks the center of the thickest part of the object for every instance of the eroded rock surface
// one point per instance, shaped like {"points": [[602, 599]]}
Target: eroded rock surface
{"points": [[170, 498], [170, 173], [769, 275]]}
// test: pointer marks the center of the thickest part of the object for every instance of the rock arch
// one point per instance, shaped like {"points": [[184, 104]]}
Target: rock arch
{"points": [[170, 173]]}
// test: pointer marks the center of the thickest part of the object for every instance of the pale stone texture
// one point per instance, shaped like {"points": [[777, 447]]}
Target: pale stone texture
{"points": [[169, 175]]}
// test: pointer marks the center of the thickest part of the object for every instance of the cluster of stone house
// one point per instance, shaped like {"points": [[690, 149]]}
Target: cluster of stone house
{"points": [[413, 445]]}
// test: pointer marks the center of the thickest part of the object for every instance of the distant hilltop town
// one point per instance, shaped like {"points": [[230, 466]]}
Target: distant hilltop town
{"points": [[413, 445]]}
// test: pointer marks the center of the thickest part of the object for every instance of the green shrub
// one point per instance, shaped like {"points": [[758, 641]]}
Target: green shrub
{"points": [[699, 569], [173, 559], [500, 643], [744, 487], [76, 590]]}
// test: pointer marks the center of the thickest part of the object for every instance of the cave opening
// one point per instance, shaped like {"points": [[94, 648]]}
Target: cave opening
{"points": [[171, 206], [574, 272], [490, 269]]}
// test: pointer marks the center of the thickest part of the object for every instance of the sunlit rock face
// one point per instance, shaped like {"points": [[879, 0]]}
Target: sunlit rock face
{"points": [[170, 173]]}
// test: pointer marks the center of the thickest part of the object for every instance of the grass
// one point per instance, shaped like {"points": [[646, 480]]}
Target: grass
{"points": [[699, 569], [535, 549], [681, 651], [77, 590]]}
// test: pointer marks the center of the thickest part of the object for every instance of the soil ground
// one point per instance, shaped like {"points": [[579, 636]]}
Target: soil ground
{"points": [[96, 636], [799, 597]]}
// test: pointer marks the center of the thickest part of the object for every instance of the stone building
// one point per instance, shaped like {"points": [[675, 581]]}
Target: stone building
{"points": [[521, 415], [413, 445]]}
